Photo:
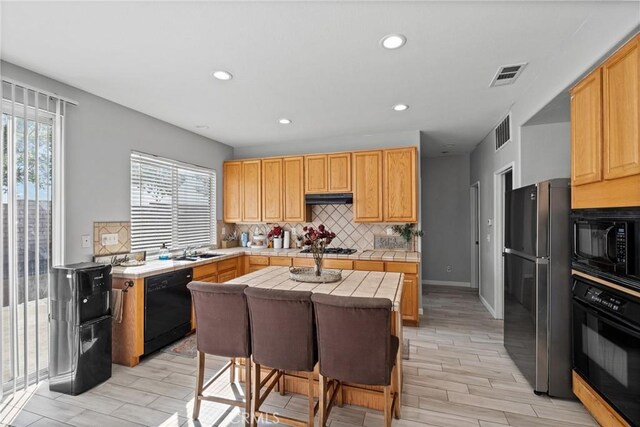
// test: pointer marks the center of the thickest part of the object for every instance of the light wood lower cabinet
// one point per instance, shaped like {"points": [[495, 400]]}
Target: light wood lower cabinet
{"points": [[604, 414], [225, 276], [282, 261]]}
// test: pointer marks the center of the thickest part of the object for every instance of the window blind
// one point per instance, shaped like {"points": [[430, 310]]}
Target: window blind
{"points": [[172, 203]]}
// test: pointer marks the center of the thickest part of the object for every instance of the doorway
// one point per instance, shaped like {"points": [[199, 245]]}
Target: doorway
{"points": [[503, 183], [476, 253]]}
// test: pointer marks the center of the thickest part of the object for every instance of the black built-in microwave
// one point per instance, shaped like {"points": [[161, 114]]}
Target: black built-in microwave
{"points": [[607, 243]]}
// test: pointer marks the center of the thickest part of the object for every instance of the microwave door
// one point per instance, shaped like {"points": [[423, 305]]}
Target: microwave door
{"points": [[595, 242]]}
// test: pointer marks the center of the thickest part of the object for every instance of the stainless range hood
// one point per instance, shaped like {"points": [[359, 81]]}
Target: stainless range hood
{"points": [[329, 199]]}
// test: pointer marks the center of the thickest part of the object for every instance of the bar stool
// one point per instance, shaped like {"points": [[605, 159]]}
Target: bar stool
{"points": [[222, 320], [282, 338], [355, 345]]}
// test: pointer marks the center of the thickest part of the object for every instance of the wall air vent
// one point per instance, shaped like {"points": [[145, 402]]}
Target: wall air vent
{"points": [[507, 74], [503, 132]]}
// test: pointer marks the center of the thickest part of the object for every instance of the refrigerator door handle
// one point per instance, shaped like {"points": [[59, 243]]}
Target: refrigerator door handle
{"points": [[528, 257], [542, 328]]}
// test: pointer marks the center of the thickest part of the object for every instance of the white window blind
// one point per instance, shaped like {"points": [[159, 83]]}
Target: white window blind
{"points": [[172, 203]]}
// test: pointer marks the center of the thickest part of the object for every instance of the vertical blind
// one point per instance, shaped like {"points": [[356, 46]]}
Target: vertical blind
{"points": [[172, 203], [31, 143]]}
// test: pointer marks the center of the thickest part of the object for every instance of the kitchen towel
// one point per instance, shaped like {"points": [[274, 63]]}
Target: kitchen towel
{"points": [[117, 296], [287, 239]]}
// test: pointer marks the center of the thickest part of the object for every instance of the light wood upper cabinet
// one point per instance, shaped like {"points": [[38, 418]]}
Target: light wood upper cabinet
{"points": [[621, 108], [605, 133], [272, 190], [232, 192], [367, 186], [294, 207], [339, 172], [586, 130], [316, 173], [251, 191], [400, 190]]}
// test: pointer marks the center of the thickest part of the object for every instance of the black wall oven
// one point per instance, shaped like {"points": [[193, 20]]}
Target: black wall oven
{"points": [[606, 344], [606, 243]]}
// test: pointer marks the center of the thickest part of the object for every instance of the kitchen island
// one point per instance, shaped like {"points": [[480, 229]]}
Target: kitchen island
{"points": [[371, 284]]}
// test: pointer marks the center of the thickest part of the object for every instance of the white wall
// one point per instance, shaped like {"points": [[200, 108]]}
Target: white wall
{"points": [[326, 145], [545, 152], [99, 138], [446, 220], [594, 41]]}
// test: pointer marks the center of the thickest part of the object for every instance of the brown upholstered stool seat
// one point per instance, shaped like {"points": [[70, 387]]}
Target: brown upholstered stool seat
{"points": [[222, 320], [283, 338], [355, 345]]}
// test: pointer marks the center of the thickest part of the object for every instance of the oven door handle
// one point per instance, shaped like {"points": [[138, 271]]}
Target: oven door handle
{"points": [[609, 318]]}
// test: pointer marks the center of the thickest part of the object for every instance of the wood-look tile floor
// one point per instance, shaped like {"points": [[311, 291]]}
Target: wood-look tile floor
{"points": [[459, 374]]}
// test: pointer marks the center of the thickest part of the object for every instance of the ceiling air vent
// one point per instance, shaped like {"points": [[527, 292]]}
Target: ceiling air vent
{"points": [[503, 132], [507, 74]]}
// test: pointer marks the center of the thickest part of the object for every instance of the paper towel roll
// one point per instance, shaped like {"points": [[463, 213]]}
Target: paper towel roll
{"points": [[287, 239]]}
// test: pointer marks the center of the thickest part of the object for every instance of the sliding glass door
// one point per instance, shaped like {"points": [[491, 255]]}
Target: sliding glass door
{"points": [[31, 123]]}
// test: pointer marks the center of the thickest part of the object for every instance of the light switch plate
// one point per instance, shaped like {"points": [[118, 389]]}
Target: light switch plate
{"points": [[85, 241], [109, 239]]}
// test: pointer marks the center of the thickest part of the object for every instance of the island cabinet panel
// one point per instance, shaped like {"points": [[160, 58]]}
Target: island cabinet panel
{"points": [[400, 185], [409, 305], [367, 186], [272, 190], [251, 191], [232, 192], [339, 172], [294, 207], [316, 173], [621, 102]]}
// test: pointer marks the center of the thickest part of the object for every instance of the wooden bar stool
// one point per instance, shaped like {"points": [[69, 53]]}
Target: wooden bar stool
{"points": [[355, 345], [282, 338], [222, 320]]}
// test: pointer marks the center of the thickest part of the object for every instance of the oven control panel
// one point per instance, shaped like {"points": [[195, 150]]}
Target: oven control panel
{"points": [[621, 243], [605, 299]]}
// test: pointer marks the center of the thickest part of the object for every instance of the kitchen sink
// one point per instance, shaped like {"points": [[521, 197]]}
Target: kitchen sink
{"points": [[204, 256], [186, 258]]}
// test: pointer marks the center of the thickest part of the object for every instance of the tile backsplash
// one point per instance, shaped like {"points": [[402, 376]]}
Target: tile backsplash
{"points": [[338, 219], [121, 228]]}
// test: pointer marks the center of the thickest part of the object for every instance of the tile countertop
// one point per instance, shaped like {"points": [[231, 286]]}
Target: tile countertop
{"points": [[154, 267]]}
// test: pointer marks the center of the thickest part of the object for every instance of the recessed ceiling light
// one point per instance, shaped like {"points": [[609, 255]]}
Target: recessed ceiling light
{"points": [[222, 75], [444, 152], [400, 107], [284, 121], [202, 127], [393, 41]]}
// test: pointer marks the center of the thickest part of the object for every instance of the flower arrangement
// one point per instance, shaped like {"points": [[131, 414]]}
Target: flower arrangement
{"points": [[407, 231], [276, 234], [317, 239]]}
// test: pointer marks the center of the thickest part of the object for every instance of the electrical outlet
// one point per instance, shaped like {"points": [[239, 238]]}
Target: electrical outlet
{"points": [[85, 240], [449, 269], [489, 238], [109, 239]]}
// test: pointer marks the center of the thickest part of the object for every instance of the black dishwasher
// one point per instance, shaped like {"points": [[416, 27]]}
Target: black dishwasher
{"points": [[167, 308]]}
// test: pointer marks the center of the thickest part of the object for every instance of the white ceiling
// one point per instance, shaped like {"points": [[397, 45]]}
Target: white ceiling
{"points": [[316, 63]]}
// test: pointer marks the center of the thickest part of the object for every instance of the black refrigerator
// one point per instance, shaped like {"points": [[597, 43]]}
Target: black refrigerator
{"points": [[79, 327], [537, 284]]}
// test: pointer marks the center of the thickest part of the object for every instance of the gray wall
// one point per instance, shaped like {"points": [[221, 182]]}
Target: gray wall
{"points": [[567, 65], [325, 145], [546, 152], [99, 138], [446, 219]]}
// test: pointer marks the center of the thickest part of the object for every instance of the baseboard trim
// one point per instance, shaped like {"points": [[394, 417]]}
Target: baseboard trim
{"points": [[487, 306], [447, 283]]}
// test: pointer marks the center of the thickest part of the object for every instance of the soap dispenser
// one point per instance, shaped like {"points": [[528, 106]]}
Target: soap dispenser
{"points": [[164, 253]]}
